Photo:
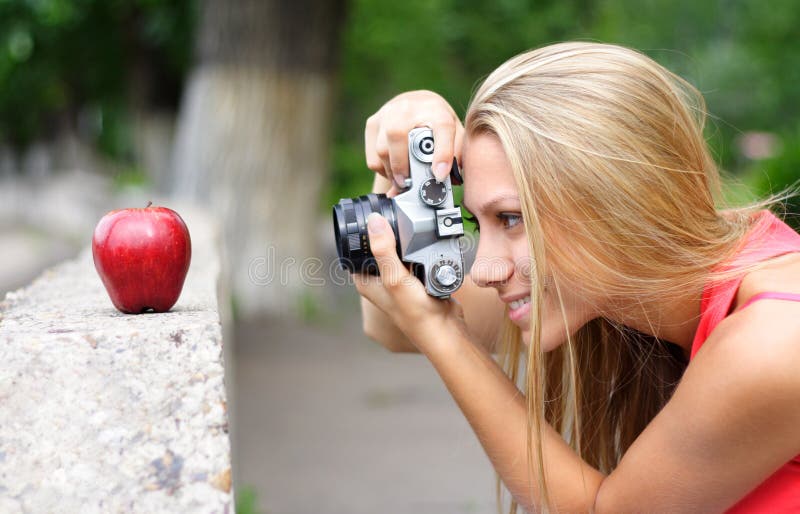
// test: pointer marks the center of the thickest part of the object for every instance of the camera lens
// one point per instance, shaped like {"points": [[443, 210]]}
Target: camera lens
{"points": [[350, 230], [426, 145]]}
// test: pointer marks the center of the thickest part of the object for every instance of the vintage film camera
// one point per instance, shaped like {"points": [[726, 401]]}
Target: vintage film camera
{"points": [[426, 223]]}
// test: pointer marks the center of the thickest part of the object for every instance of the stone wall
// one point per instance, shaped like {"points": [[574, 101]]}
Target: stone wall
{"points": [[106, 412]]}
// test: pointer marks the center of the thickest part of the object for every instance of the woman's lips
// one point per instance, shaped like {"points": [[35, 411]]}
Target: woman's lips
{"points": [[521, 312]]}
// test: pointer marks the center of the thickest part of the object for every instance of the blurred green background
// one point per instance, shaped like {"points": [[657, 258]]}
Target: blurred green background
{"points": [[73, 61]]}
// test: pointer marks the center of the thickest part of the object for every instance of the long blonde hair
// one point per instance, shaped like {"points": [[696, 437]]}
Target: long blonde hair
{"points": [[607, 151]]}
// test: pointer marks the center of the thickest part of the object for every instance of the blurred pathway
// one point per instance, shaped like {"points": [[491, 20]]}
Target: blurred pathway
{"points": [[24, 252], [329, 422]]}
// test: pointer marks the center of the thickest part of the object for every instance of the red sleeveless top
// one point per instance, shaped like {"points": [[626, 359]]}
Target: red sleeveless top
{"points": [[770, 237]]}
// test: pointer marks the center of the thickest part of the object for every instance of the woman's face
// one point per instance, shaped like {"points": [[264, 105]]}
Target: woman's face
{"points": [[503, 259]]}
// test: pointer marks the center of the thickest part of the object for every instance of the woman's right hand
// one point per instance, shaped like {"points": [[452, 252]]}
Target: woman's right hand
{"points": [[386, 146], [386, 137], [386, 143]]}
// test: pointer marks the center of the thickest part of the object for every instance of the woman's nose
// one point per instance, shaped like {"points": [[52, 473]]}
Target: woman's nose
{"points": [[491, 270]]}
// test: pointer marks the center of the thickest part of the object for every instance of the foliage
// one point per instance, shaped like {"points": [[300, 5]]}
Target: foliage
{"points": [[246, 500], [90, 64], [781, 175], [743, 55], [86, 64]]}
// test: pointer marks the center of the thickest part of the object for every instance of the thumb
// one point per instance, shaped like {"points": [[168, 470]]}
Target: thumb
{"points": [[383, 246]]}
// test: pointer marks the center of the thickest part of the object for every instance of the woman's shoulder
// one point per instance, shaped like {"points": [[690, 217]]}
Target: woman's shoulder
{"points": [[757, 348], [780, 274], [764, 326]]}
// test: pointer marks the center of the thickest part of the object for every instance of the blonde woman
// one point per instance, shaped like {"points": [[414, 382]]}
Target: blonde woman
{"points": [[660, 335]]}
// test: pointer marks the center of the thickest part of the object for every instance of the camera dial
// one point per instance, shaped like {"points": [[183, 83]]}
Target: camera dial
{"points": [[422, 145], [433, 193], [426, 145], [425, 221], [446, 275]]}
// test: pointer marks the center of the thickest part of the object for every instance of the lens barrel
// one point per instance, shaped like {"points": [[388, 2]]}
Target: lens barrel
{"points": [[350, 230]]}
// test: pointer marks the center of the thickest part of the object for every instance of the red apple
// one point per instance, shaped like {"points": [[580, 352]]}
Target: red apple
{"points": [[142, 256]]}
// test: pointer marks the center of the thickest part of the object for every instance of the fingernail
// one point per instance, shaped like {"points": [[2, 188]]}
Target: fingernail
{"points": [[374, 223], [441, 171], [399, 179]]}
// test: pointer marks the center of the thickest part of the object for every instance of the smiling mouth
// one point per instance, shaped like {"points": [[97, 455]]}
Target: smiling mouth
{"points": [[519, 310], [516, 304]]}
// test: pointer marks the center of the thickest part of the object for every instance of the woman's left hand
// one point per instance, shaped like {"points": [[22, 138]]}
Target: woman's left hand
{"points": [[423, 318]]}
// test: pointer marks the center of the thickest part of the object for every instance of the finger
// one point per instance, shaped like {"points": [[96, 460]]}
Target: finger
{"points": [[397, 140], [393, 191], [444, 134], [381, 184], [382, 150], [374, 161], [371, 288], [458, 146], [383, 247], [456, 308]]}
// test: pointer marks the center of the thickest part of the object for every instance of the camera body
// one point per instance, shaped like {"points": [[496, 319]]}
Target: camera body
{"points": [[426, 222]]}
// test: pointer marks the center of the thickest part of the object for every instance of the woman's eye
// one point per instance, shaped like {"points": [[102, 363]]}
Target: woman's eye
{"points": [[509, 220]]}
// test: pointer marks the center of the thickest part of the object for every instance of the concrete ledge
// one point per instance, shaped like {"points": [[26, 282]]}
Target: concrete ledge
{"points": [[106, 412]]}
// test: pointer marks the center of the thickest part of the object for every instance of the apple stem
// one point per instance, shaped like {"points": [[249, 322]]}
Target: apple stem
{"points": [[148, 204]]}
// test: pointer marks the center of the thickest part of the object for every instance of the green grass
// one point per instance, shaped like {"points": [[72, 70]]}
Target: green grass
{"points": [[246, 500]]}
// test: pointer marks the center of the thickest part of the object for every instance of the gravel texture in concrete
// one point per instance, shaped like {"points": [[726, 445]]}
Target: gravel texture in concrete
{"points": [[106, 412]]}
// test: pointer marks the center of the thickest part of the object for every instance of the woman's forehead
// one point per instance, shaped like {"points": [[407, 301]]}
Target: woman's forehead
{"points": [[502, 199], [488, 178]]}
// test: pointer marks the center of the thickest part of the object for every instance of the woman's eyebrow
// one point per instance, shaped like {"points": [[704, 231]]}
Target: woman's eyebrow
{"points": [[491, 203]]}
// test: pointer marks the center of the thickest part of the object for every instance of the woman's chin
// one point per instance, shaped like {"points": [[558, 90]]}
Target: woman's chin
{"points": [[546, 345]]}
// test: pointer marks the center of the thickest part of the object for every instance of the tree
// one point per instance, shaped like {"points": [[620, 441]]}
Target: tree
{"points": [[253, 137], [90, 75]]}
